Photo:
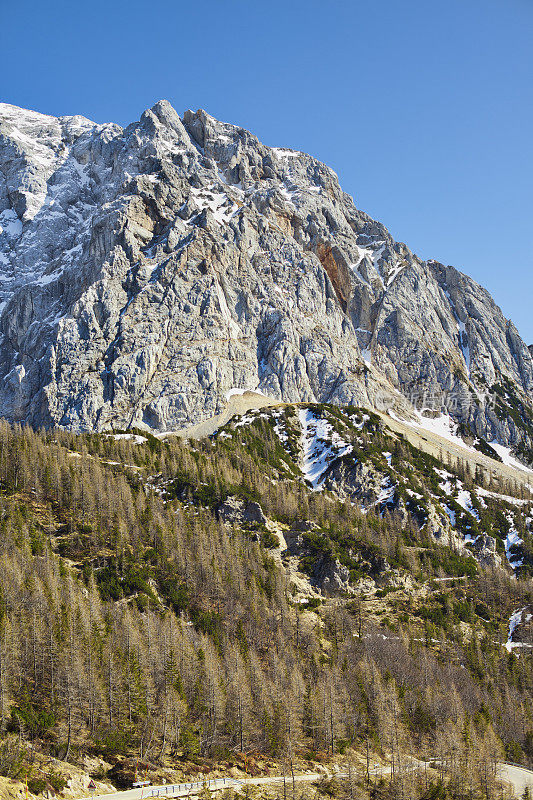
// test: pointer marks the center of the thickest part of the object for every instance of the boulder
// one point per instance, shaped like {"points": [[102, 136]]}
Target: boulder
{"points": [[236, 511], [484, 549]]}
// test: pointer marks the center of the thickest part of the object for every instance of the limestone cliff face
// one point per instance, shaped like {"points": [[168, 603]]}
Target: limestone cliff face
{"points": [[146, 271]]}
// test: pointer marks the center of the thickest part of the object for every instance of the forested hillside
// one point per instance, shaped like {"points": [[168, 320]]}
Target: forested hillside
{"points": [[170, 606]]}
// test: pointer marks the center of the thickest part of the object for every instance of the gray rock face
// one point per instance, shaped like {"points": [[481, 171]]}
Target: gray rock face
{"points": [[333, 577], [146, 271], [328, 574], [362, 483], [234, 511], [484, 548], [355, 480]]}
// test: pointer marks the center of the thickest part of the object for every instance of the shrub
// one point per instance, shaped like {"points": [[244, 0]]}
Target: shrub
{"points": [[37, 785]]}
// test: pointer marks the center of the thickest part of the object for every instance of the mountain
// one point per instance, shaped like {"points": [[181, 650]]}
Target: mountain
{"points": [[333, 568], [147, 271]]}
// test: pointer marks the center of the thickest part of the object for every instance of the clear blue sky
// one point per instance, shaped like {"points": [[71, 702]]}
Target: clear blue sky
{"points": [[423, 107]]}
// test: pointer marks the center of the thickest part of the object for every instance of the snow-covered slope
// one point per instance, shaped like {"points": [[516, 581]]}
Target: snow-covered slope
{"points": [[352, 454], [321, 445]]}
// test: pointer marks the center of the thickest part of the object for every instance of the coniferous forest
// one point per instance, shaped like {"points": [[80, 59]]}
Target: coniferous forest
{"points": [[266, 401], [141, 632]]}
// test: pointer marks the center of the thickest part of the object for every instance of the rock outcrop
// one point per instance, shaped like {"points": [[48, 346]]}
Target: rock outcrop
{"points": [[146, 271], [484, 549], [235, 511]]}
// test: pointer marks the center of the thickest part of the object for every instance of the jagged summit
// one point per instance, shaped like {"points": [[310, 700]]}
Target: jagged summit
{"points": [[147, 271]]}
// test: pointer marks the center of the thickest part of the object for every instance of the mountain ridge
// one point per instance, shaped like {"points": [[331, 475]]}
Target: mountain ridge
{"points": [[147, 271]]}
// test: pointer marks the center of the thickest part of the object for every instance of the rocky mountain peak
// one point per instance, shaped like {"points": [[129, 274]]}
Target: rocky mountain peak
{"points": [[147, 271]]}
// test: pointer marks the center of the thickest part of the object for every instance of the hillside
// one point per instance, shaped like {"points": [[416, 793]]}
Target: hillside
{"points": [[302, 587]]}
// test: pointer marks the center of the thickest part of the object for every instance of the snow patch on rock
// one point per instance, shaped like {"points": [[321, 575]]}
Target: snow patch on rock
{"points": [[321, 445]]}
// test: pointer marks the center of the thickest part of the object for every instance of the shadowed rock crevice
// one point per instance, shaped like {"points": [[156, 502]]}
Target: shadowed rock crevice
{"points": [[337, 271]]}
